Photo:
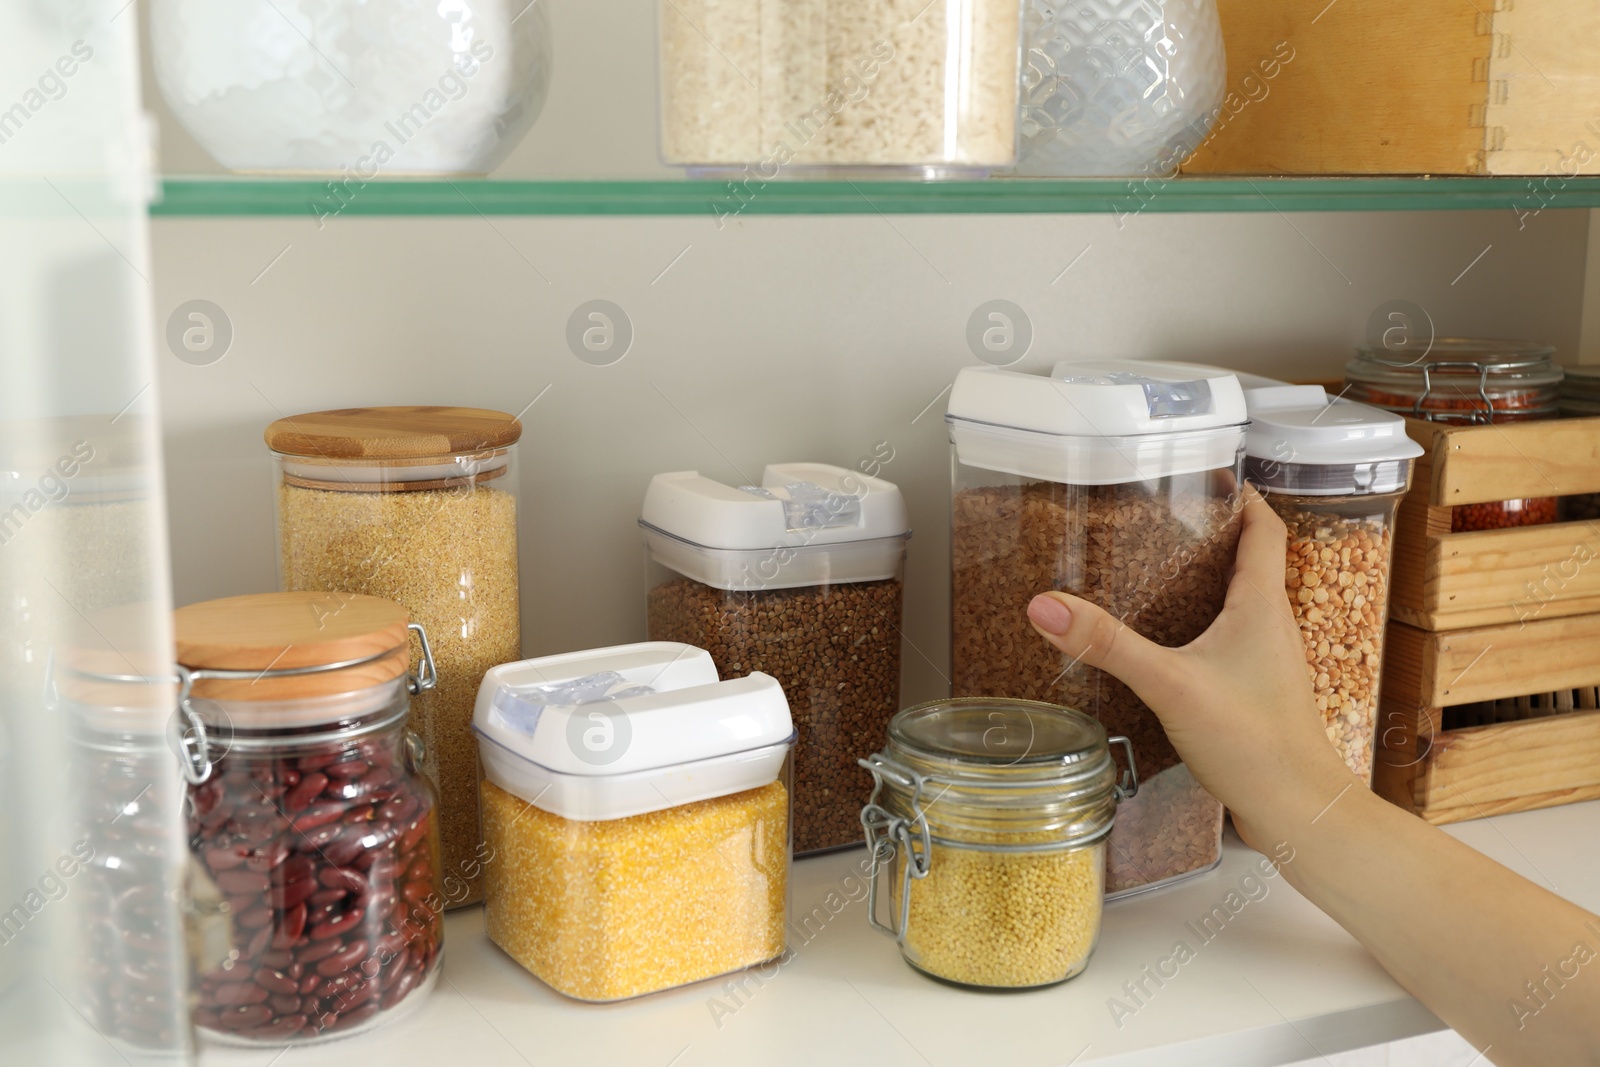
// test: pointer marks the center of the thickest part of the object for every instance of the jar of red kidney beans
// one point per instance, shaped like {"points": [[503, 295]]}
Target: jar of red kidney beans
{"points": [[1465, 381], [315, 833]]}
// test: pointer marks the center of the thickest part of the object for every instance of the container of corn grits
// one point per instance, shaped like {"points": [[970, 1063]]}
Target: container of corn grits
{"points": [[636, 818], [990, 817], [417, 505]]}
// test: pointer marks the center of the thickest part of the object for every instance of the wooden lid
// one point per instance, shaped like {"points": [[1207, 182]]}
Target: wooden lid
{"points": [[281, 631], [393, 433]]}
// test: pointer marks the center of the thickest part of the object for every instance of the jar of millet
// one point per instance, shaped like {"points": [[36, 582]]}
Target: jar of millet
{"points": [[991, 816], [1469, 382]]}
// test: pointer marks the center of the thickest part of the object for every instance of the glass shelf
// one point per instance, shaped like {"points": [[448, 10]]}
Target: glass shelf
{"points": [[246, 196]]}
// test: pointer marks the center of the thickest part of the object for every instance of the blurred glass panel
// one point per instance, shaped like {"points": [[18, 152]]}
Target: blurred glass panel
{"points": [[93, 964]]}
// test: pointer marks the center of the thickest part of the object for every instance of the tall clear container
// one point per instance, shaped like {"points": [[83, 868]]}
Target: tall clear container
{"points": [[991, 817], [1115, 481], [315, 837], [767, 87], [802, 578], [1334, 471], [417, 505], [636, 816]]}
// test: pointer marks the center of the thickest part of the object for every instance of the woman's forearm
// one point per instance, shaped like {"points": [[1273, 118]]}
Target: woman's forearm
{"points": [[1513, 968]]}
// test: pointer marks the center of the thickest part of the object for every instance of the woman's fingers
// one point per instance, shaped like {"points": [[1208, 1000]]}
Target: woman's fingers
{"points": [[1087, 634]]}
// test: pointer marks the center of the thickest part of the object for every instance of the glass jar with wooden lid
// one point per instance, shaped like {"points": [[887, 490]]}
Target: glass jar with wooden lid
{"points": [[313, 830], [416, 504]]}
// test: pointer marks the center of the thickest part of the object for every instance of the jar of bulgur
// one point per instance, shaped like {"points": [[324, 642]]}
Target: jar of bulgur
{"points": [[636, 815], [1468, 382], [799, 577], [417, 505], [1334, 471], [1115, 481], [991, 817]]}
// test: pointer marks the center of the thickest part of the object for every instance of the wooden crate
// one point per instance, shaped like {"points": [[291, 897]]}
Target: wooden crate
{"points": [[1450, 581], [1451, 775], [1425, 87]]}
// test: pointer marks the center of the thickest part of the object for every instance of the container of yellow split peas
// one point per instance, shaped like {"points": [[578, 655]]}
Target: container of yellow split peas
{"points": [[989, 818]]}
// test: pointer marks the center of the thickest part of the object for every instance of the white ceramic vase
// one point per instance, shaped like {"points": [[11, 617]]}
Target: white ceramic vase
{"points": [[1117, 87], [354, 87]]}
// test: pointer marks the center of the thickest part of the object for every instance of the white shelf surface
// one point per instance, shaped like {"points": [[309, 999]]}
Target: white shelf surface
{"points": [[1280, 983]]}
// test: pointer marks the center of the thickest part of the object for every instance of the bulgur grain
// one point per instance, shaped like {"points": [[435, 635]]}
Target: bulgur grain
{"points": [[835, 649], [621, 907], [1004, 919], [1157, 557], [449, 555]]}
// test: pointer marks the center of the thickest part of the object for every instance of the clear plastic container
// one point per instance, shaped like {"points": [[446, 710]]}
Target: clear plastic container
{"points": [[418, 505], [314, 834], [802, 578], [1115, 481], [991, 817], [1334, 471], [1467, 382], [766, 87], [636, 815]]}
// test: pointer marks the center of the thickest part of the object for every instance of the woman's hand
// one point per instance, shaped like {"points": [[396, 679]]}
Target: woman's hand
{"points": [[1237, 701]]}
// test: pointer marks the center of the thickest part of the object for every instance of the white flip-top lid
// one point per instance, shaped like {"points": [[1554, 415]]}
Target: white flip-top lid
{"points": [[1357, 448], [614, 732], [1097, 422], [830, 505], [805, 524]]}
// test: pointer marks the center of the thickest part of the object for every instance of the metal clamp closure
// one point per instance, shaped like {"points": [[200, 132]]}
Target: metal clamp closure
{"points": [[1128, 787], [887, 831], [194, 743], [1475, 417]]}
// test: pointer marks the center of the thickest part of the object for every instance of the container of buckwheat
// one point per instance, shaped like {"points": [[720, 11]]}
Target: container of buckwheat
{"points": [[799, 577], [1115, 481], [1334, 471]]}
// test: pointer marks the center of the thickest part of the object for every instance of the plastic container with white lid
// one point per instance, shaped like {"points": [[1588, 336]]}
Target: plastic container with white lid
{"points": [[1115, 481], [636, 818], [1334, 470], [799, 577]]}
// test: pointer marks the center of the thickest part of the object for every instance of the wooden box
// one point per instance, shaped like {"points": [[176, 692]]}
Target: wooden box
{"points": [[1450, 581], [1451, 775], [1424, 87]]}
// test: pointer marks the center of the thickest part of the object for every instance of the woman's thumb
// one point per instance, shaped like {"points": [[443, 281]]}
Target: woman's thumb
{"points": [[1088, 634]]}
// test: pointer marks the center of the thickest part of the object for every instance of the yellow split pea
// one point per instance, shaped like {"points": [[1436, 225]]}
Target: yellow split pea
{"points": [[620, 907]]}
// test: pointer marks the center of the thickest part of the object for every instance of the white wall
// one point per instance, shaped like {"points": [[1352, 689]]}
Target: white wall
{"points": [[771, 340]]}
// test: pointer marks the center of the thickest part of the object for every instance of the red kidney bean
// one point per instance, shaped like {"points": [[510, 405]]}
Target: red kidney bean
{"points": [[304, 793], [338, 925], [316, 840], [343, 878], [277, 1030], [416, 830], [266, 858], [258, 943], [236, 993], [246, 1018], [309, 983], [347, 769], [355, 1017], [343, 960], [290, 928], [256, 918], [284, 1004], [315, 951], [296, 893], [295, 869], [403, 985], [324, 898], [318, 815], [224, 858], [278, 959], [347, 848], [276, 982], [242, 882], [421, 870]]}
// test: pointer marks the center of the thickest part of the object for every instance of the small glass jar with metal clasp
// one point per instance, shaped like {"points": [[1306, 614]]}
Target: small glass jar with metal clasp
{"points": [[992, 816]]}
